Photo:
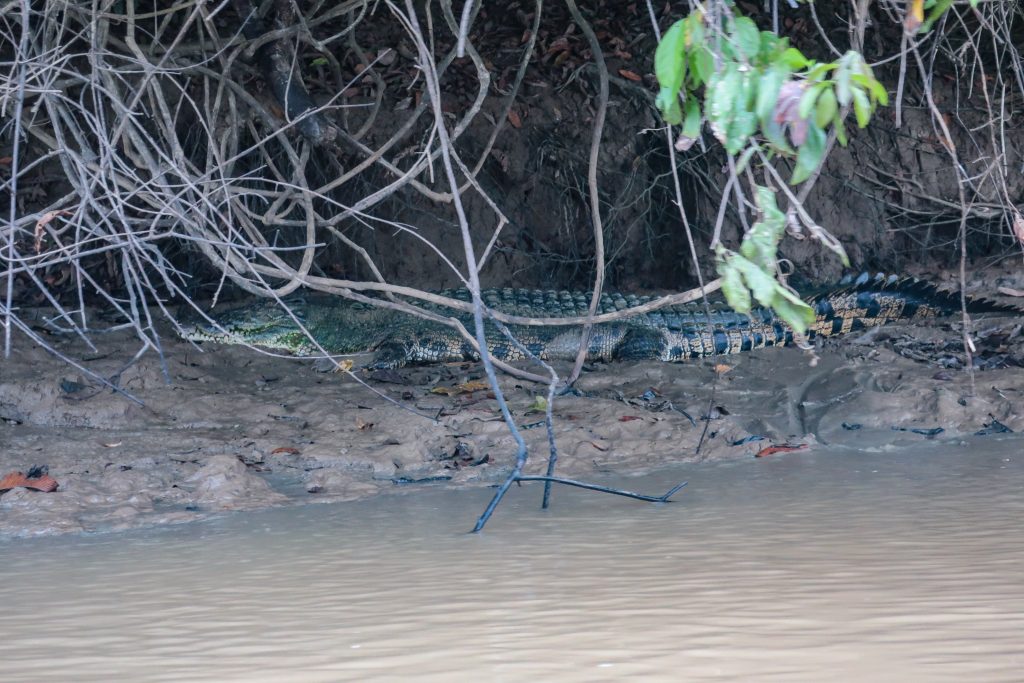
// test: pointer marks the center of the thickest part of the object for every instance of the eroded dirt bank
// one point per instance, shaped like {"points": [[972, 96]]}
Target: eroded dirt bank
{"points": [[237, 430]]}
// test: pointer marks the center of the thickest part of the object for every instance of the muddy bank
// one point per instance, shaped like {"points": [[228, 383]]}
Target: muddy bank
{"points": [[225, 428]]}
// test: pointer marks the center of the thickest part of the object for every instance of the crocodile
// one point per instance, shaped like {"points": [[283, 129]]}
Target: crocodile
{"points": [[673, 333]]}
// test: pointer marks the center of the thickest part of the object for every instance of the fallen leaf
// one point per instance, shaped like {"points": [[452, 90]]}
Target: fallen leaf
{"points": [[363, 425], [540, 405], [285, 450], [42, 222], [1010, 292], [722, 368], [785, 448], [514, 119], [343, 365], [475, 385], [45, 483], [598, 446], [112, 444], [629, 418], [631, 75]]}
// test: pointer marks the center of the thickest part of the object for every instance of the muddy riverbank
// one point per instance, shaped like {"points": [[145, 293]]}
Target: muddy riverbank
{"points": [[225, 428]]}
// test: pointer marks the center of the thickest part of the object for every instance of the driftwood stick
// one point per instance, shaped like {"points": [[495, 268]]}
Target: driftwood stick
{"points": [[605, 489]]}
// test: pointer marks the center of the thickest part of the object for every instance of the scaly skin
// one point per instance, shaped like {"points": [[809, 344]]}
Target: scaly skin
{"points": [[670, 334]]}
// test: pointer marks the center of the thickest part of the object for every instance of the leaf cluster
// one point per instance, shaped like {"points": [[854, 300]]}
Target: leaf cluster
{"points": [[752, 86], [752, 270]]}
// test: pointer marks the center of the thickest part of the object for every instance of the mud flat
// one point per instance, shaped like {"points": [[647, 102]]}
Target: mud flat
{"points": [[227, 429]]}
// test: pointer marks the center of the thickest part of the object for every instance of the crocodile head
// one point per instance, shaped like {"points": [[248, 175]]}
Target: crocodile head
{"points": [[265, 323]]}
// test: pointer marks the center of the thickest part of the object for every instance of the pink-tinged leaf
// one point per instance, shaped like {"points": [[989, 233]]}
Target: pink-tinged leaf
{"points": [[787, 107], [798, 132]]}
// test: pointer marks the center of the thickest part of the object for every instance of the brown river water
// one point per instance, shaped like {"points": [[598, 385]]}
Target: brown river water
{"points": [[836, 565]]}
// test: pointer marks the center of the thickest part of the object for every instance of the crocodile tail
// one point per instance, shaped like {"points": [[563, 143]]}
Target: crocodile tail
{"points": [[917, 292], [868, 301]]}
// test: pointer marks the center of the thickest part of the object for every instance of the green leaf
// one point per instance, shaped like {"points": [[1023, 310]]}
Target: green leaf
{"points": [[747, 95], [837, 124], [809, 98], [793, 310], [769, 44], [842, 79], [691, 128], [669, 58], [736, 292], [876, 89], [760, 245], [723, 96], [819, 71], [742, 126], [937, 11], [861, 107], [826, 108], [746, 37], [703, 63], [768, 90], [879, 93], [773, 133], [793, 58], [667, 103], [849, 64], [761, 284], [772, 217], [694, 30], [809, 155]]}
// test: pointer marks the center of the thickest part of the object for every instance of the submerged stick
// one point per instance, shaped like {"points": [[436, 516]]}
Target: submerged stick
{"points": [[515, 477], [605, 489]]}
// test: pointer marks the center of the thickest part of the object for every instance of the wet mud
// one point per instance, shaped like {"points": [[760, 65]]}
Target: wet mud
{"points": [[222, 428]]}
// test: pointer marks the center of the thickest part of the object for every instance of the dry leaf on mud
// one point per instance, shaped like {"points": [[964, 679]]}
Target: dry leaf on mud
{"points": [[41, 223], [464, 388], [514, 119], [540, 405], [631, 75], [785, 448], [285, 450], [629, 418], [44, 483], [722, 368], [343, 365], [363, 425], [111, 444], [1010, 292]]}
